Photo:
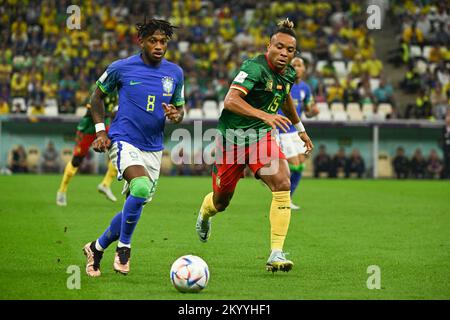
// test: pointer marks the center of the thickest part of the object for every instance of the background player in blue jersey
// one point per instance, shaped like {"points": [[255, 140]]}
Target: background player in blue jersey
{"points": [[292, 146], [150, 90]]}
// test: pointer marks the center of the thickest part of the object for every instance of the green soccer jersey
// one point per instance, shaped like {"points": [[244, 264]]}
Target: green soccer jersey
{"points": [[265, 89], [87, 125]]}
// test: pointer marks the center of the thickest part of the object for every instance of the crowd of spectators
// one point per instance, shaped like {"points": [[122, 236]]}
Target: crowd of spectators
{"points": [[424, 38], [21, 160], [417, 166], [43, 63], [339, 165], [48, 160], [18, 162]]}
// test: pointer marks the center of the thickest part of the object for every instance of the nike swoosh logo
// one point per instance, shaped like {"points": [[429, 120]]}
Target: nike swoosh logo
{"points": [[132, 83], [130, 222]]}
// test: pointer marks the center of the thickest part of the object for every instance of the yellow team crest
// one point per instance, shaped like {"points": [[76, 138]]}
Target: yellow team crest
{"points": [[167, 83], [269, 85]]}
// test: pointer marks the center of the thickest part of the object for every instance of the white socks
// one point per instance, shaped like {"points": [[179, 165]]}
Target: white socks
{"points": [[121, 245], [98, 246]]}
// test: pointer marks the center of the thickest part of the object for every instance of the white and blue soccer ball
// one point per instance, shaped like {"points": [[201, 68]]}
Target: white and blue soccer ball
{"points": [[189, 273]]}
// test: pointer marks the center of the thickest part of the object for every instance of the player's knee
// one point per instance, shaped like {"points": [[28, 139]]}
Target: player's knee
{"points": [[282, 184], [76, 161], [221, 204], [140, 187]]}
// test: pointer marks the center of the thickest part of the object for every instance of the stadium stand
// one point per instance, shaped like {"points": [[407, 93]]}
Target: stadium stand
{"points": [[41, 56], [195, 114], [424, 47], [48, 69], [354, 112], [80, 111], [210, 110]]}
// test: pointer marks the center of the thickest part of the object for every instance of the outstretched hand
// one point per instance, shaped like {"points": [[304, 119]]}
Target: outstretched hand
{"points": [[172, 113], [102, 143], [308, 143]]}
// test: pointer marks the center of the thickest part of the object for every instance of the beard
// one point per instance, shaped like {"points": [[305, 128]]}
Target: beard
{"points": [[152, 59]]}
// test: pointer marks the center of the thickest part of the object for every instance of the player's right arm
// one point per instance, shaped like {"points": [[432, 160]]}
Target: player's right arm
{"points": [[106, 84], [234, 102], [101, 144], [243, 83]]}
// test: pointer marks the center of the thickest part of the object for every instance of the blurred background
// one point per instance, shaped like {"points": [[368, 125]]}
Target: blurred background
{"points": [[382, 86]]}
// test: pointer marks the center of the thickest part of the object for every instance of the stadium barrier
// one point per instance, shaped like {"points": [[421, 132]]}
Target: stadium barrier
{"points": [[376, 140]]}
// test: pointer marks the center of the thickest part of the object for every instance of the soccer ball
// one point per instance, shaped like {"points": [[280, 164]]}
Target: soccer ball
{"points": [[189, 274]]}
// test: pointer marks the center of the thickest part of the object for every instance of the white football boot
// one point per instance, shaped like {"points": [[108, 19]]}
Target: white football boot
{"points": [[294, 207], [107, 192], [278, 262], [203, 228], [61, 199]]}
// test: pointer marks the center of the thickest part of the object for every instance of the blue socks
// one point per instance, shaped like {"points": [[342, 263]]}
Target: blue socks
{"points": [[123, 225], [295, 179], [112, 233], [131, 213], [296, 176]]}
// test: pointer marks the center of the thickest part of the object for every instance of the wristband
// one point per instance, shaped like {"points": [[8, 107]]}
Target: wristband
{"points": [[100, 127], [299, 126]]}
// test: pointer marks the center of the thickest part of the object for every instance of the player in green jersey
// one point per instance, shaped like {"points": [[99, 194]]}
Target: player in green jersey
{"points": [[246, 138], [85, 136]]}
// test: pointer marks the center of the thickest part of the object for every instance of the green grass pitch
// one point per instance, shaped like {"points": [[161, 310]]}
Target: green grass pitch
{"points": [[345, 226]]}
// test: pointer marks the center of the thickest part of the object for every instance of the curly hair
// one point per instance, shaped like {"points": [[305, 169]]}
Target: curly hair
{"points": [[150, 27]]}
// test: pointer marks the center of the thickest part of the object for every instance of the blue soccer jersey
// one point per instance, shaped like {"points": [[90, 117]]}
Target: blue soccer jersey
{"points": [[142, 89], [302, 96]]}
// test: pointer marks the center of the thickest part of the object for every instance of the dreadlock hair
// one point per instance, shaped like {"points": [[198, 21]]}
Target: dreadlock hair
{"points": [[285, 26], [149, 27]]}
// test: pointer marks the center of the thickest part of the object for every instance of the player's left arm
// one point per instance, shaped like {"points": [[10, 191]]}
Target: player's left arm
{"points": [[174, 111], [290, 111]]}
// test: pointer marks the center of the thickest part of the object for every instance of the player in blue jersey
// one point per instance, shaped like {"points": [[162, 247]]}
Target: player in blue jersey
{"points": [[292, 146], [150, 90]]}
